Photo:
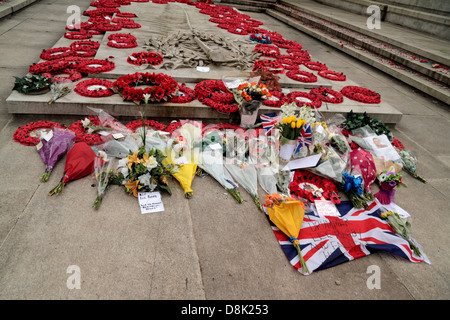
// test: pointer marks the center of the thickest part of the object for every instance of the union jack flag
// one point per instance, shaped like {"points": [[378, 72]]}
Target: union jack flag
{"points": [[305, 137], [269, 121], [327, 241]]}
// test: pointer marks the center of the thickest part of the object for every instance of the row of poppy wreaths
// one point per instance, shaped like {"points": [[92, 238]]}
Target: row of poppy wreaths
{"points": [[28, 134]]}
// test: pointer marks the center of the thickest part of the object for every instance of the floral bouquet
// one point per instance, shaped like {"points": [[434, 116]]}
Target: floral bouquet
{"points": [[80, 162], [183, 153], [212, 163], [388, 182], [53, 148], [402, 227], [287, 214], [290, 129], [245, 174], [249, 96], [58, 90], [143, 171], [409, 162], [103, 172]]}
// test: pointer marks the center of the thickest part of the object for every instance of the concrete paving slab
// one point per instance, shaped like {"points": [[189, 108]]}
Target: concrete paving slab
{"points": [[226, 250]]}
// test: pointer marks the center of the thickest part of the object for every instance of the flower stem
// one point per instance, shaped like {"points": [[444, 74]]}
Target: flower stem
{"points": [[58, 189], [236, 195], [97, 202], [302, 261], [45, 176], [257, 202]]}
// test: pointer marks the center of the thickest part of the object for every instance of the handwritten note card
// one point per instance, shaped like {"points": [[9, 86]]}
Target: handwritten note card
{"points": [[326, 208], [150, 202]]}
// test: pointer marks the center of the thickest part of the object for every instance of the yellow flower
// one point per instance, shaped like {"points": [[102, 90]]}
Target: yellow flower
{"points": [[299, 123], [293, 124], [132, 187], [132, 159]]}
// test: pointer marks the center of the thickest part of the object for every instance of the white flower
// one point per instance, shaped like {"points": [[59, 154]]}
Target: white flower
{"points": [[151, 163], [124, 171], [122, 162], [145, 179], [146, 97], [382, 177], [85, 122], [102, 155], [152, 186]]}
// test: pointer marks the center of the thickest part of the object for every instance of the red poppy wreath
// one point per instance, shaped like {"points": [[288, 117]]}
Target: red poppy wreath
{"points": [[94, 88], [95, 66], [26, 134], [56, 53], [140, 58], [305, 99], [301, 76], [122, 41], [135, 124], [312, 187], [268, 65], [49, 66], [332, 75], [72, 75], [184, 95], [214, 93], [159, 87], [327, 95], [361, 94], [82, 135]]}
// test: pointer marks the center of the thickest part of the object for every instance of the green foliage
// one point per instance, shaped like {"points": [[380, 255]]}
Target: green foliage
{"points": [[355, 120], [34, 84]]}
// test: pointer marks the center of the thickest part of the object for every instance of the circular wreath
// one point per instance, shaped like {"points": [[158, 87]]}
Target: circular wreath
{"points": [[140, 58], [107, 27], [73, 75], [85, 45], [267, 50], [126, 15], [306, 99], [327, 95], [301, 54], [261, 38], [214, 93], [94, 88], [277, 100], [81, 135], [268, 65], [302, 76], [95, 66], [361, 94], [122, 41], [289, 62], [135, 124], [49, 66], [77, 35], [287, 44], [184, 95], [332, 75], [56, 53], [161, 86], [24, 134], [307, 185], [315, 65]]}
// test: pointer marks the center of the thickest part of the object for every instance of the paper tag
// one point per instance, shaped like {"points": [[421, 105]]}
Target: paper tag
{"points": [[203, 69], [215, 146], [39, 145], [326, 208], [118, 136], [150, 202], [104, 133], [181, 160], [47, 135]]}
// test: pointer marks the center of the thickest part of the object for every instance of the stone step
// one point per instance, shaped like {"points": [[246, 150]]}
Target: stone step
{"points": [[397, 54], [411, 77]]}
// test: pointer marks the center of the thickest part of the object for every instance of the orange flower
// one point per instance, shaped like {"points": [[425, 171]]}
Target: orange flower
{"points": [[132, 159], [132, 187]]}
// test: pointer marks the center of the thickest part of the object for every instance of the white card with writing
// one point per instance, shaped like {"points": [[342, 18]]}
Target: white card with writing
{"points": [[326, 208], [150, 202]]}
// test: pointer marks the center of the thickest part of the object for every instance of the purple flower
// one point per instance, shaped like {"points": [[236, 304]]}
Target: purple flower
{"points": [[392, 183]]}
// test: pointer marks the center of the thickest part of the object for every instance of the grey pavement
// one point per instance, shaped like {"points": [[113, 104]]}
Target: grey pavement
{"points": [[207, 247]]}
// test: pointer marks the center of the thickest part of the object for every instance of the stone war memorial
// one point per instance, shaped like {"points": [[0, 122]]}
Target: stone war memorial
{"points": [[223, 150]]}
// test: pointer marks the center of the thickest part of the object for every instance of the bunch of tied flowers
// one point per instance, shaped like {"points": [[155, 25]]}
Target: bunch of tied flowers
{"points": [[253, 91], [290, 128]]}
